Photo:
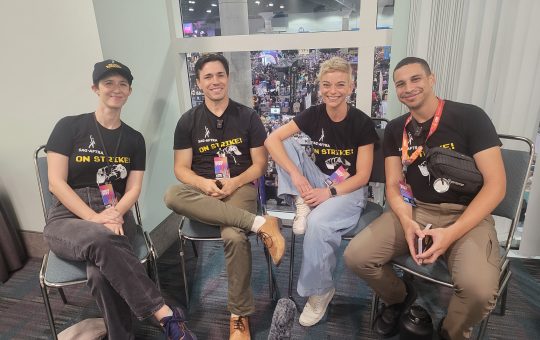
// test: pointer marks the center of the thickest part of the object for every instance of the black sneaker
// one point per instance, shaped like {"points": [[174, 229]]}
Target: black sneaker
{"points": [[175, 326], [387, 320]]}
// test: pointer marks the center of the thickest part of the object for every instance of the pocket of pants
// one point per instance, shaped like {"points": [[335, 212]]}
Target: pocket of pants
{"points": [[493, 250]]}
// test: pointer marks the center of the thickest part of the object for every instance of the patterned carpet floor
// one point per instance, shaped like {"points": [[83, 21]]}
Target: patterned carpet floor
{"points": [[23, 313]]}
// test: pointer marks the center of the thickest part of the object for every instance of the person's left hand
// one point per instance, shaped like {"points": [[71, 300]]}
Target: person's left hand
{"points": [[442, 240], [229, 186], [316, 196]]}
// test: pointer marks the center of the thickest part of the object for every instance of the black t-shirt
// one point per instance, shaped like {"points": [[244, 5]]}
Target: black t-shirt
{"points": [[336, 143], [464, 128], [77, 138], [241, 130]]}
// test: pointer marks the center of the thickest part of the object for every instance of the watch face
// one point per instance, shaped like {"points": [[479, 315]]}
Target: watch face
{"points": [[333, 191]]}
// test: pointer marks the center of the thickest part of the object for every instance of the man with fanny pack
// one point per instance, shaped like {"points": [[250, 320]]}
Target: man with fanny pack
{"points": [[462, 230], [219, 153]]}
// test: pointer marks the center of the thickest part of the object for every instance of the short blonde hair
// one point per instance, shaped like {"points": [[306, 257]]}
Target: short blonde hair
{"points": [[335, 64]]}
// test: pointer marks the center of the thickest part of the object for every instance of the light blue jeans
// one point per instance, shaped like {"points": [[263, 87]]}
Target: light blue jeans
{"points": [[325, 224]]}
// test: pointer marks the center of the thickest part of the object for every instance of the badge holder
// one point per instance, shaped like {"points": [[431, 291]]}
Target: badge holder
{"points": [[337, 177], [406, 192], [107, 194], [221, 166]]}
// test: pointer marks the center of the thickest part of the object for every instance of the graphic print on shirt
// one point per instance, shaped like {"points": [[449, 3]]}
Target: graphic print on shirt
{"points": [[321, 139], [226, 147], [332, 163], [92, 142], [111, 173], [335, 162]]}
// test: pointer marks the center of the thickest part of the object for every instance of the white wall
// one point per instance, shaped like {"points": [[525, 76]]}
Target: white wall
{"points": [[48, 51], [137, 33]]}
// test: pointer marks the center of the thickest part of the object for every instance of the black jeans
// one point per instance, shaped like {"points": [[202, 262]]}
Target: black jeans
{"points": [[116, 278]]}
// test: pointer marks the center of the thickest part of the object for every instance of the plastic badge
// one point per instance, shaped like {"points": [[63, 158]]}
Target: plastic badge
{"points": [[406, 193], [337, 177], [107, 194], [221, 167]]}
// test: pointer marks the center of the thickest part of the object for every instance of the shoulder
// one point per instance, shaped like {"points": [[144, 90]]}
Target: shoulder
{"points": [[241, 110], [462, 109], [128, 130], [359, 115], [397, 123]]}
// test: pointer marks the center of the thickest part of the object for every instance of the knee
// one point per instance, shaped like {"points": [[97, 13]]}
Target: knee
{"points": [[356, 258], [172, 196], [479, 291]]}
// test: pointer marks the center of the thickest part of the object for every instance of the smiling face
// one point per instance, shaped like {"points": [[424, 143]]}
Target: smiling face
{"points": [[213, 81], [113, 91], [335, 87], [414, 87]]}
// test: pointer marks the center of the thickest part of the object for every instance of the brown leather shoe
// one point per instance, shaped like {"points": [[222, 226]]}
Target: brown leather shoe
{"points": [[270, 234], [239, 328]]}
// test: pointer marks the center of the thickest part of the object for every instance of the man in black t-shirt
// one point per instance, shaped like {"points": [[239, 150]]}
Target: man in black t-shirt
{"points": [[219, 153], [462, 229]]}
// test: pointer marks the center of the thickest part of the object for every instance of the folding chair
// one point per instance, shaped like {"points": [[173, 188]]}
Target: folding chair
{"points": [[193, 230], [371, 211], [58, 273], [517, 165]]}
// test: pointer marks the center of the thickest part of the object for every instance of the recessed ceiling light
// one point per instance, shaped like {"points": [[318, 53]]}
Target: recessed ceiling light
{"points": [[191, 9], [281, 6], [191, 1], [258, 2], [214, 5], [271, 4], [208, 11]]}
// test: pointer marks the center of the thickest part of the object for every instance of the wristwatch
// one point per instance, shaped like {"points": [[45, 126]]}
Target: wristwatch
{"points": [[333, 191]]}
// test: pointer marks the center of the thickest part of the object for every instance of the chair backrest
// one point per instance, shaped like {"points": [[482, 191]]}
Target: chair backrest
{"points": [[377, 171], [42, 174], [517, 165], [40, 162]]}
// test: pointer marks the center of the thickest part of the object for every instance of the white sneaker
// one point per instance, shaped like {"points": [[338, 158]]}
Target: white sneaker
{"points": [[315, 308], [300, 218]]}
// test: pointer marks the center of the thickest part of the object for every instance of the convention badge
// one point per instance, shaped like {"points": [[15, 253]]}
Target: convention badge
{"points": [[221, 167], [406, 193], [441, 185], [107, 194], [423, 169], [337, 177]]}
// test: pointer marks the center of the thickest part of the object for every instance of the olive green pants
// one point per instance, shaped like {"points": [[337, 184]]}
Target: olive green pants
{"points": [[235, 214], [473, 262]]}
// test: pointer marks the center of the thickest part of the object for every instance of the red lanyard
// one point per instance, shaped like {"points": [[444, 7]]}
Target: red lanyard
{"points": [[407, 160]]}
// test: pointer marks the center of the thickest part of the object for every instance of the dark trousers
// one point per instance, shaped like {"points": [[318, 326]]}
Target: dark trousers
{"points": [[116, 278]]}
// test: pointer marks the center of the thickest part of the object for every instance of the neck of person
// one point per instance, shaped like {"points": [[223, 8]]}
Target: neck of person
{"points": [[426, 111], [108, 118], [339, 113], [217, 107]]}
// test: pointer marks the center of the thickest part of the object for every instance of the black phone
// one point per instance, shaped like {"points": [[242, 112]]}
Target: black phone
{"points": [[219, 184], [423, 244]]}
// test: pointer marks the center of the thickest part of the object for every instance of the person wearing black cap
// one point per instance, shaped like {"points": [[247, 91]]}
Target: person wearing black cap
{"points": [[95, 167]]}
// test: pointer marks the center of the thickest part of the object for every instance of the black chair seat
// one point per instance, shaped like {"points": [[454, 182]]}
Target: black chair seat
{"points": [[371, 212]]}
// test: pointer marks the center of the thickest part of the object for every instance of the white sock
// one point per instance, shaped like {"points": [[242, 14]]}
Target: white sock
{"points": [[258, 223]]}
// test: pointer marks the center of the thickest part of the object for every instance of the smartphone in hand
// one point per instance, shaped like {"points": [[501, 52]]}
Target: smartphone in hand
{"points": [[219, 184], [424, 243]]}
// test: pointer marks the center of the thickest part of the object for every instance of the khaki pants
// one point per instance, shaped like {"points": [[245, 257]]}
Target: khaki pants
{"points": [[235, 214], [473, 262]]}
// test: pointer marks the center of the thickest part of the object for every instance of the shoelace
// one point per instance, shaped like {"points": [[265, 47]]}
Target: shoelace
{"points": [[266, 238], [239, 324]]}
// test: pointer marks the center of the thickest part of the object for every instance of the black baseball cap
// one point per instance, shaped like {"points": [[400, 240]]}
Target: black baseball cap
{"points": [[105, 67]]}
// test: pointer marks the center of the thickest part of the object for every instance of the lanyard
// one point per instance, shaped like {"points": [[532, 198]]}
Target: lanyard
{"points": [[407, 160], [220, 125], [103, 143]]}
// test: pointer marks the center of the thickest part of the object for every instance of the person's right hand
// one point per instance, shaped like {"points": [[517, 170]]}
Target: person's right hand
{"points": [[301, 183], [109, 215], [412, 231], [115, 228], [209, 187]]}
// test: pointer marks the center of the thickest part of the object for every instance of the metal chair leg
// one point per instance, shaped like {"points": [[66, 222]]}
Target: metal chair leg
{"points": [[48, 309], [483, 327], [291, 265], [194, 246], [503, 300], [271, 279], [62, 295], [183, 264]]}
